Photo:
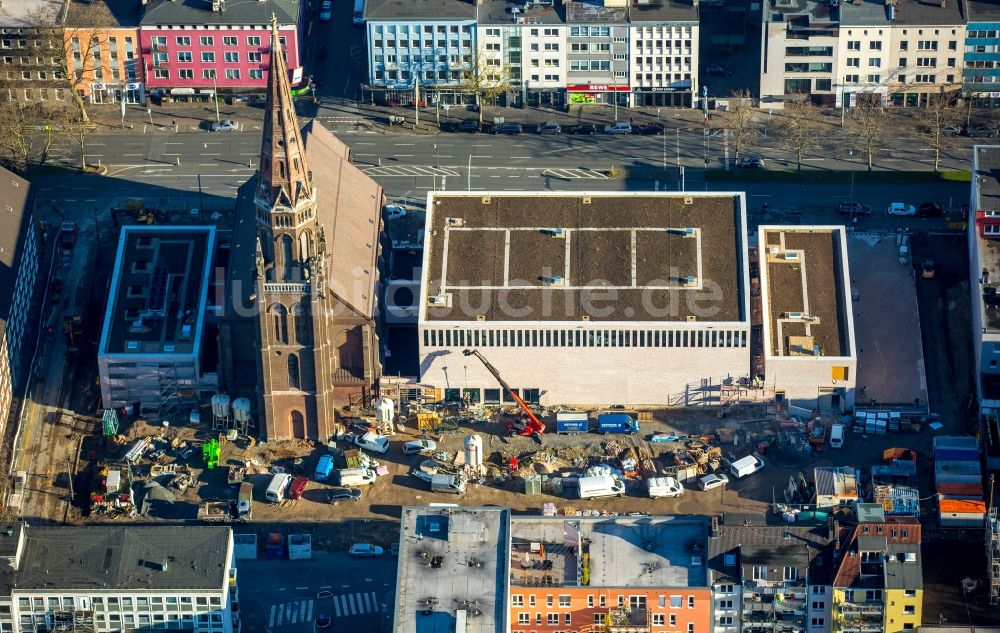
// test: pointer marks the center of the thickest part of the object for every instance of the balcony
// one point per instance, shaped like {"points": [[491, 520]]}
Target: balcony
{"points": [[287, 288], [628, 620]]}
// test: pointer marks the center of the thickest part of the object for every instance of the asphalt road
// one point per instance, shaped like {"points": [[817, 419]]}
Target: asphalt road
{"points": [[197, 165], [284, 596]]}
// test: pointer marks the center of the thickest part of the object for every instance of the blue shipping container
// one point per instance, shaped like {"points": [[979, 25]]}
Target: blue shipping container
{"points": [[956, 455], [572, 426]]}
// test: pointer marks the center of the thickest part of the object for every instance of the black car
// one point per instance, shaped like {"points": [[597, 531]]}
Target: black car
{"points": [[585, 128], [750, 162], [343, 494], [469, 125], [930, 210], [512, 129], [651, 129], [853, 208]]}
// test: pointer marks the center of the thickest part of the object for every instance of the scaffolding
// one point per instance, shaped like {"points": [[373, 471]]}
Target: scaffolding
{"points": [[71, 620], [993, 554]]}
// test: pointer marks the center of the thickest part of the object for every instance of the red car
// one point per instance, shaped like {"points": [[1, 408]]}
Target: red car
{"points": [[297, 487]]}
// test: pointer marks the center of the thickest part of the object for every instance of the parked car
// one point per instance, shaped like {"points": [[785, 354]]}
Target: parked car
{"points": [[980, 132], [326, 10], [226, 125], [585, 128], [618, 128], [343, 494], [930, 210], [549, 128], [394, 211], [750, 162], [419, 446], [715, 70], [901, 208], [853, 209], [512, 129], [469, 125], [651, 129], [710, 482], [323, 622], [951, 130], [365, 550]]}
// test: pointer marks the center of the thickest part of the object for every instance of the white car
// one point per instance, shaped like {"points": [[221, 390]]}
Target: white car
{"points": [[365, 550], [326, 10], [419, 446], [901, 208], [618, 128], [709, 482], [394, 211]]}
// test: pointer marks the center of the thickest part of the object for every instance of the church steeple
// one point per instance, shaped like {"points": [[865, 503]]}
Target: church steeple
{"points": [[284, 180]]}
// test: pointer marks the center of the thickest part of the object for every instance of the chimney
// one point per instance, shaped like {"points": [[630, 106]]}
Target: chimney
{"points": [[216, 6], [713, 528], [694, 3]]}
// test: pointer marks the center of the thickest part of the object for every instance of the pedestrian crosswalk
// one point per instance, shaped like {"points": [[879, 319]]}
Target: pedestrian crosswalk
{"points": [[349, 604], [574, 173], [336, 606], [290, 613], [409, 170]]}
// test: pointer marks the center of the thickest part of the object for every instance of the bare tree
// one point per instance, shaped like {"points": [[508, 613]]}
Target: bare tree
{"points": [[487, 79], [79, 131], [51, 125], [801, 129], [740, 120], [17, 133], [933, 122], [868, 127], [75, 42]]}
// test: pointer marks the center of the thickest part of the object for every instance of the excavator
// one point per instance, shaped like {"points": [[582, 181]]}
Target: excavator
{"points": [[528, 425]]}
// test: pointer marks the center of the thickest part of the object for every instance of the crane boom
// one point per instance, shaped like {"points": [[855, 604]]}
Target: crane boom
{"points": [[513, 394]]}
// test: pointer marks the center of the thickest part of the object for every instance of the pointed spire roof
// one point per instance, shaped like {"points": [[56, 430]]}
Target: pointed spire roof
{"points": [[283, 175]]}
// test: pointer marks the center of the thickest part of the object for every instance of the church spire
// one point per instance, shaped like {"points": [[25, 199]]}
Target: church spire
{"points": [[283, 176]]}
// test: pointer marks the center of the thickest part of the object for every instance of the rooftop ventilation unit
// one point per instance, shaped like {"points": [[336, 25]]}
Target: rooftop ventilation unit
{"points": [[793, 315], [554, 280], [455, 221], [440, 301], [791, 256], [586, 200], [690, 280], [585, 317], [480, 317], [774, 250], [132, 345], [688, 200], [685, 232], [556, 232], [910, 557], [692, 317], [486, 199]]}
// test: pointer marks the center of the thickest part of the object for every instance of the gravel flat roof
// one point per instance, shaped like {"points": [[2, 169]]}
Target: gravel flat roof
{"points": [[810, 283], [609, 257]]}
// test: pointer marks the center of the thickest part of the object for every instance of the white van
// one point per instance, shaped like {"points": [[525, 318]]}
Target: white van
{"points": [[837, 436], [372, 442], [746, 466], [600, 486], [664, 487], [276, 489], [355, 476]]}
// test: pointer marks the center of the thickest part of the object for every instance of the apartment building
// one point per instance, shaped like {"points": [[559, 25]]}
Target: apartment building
{"points": [[981, 72], [895, 52], [771, 577], [984, 270], [19, 257], [432, 42], [493, 280], [152, 342], [116, 578], [799, 51], [100, 43], [878, 582], [191, 51], [554, 52]]}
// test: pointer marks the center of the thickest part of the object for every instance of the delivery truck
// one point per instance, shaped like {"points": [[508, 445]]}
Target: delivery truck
{"points": [[621, 423], [568, 423], [600, 486], [244, 502], [452, 484], [663, 487]]}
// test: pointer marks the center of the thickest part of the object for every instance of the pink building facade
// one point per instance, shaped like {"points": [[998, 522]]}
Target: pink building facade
{"points": [[190, 52]]}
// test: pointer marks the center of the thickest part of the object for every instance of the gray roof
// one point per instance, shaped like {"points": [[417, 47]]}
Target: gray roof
{"points": [[749, 541], [17, 200], [865, 13], [929, 12], [594, 12], [817, 10], [113, 558], [498, 12], [984, 10], [449, 559], [663, 11], [451, 10], [900, 574], [253, 12]]}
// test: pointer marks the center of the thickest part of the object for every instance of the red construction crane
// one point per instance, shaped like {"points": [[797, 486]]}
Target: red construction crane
{"points": [[529, 425]]}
